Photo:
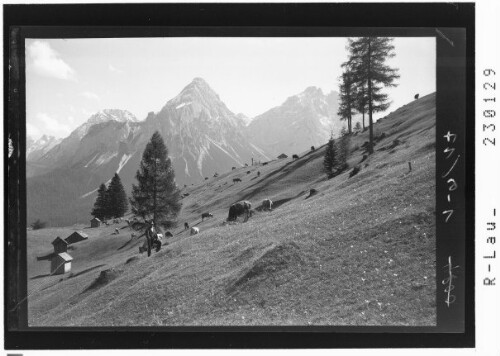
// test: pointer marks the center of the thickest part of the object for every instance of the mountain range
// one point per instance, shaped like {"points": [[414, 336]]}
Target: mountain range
{"points": [[202, 134]]}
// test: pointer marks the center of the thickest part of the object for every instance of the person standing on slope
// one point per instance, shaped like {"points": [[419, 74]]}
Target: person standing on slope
{"points": [[152, 239]]}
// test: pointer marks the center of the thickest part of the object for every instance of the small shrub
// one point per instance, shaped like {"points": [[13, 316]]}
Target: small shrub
{"points": [[364, 157], [168, 224], [354, 171], [38, 224], [380, 137]]}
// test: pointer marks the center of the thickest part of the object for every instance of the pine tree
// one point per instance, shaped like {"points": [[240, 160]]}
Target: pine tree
{"points": [[342, 149], [330, 159], [100, 206], [367, 56], [156, 193], [117, 203], [347, 99]]}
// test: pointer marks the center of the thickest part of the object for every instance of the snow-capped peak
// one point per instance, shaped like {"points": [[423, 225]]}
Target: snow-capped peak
{"points": [[42, 145], [104, 116], [111, 114]]}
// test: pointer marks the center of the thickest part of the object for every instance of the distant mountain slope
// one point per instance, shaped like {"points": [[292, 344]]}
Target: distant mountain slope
{"points": [[352, 254], [203, 137], [302, 121], [37, 148]]}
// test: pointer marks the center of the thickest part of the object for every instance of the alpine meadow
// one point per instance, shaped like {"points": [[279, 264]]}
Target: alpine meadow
{"points": [[280, 181]]}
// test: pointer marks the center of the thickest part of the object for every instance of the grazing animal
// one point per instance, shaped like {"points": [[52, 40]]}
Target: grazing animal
{"points": [[295, 157], [312, 148], [239, 208], [416, 96], [159, 236], [236, 180], [206, 215], [169, 234], [233, 168], [195, 230], [267, 204], [186, 226]]}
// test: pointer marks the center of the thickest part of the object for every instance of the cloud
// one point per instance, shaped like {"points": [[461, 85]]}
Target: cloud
{"points": [[114, 69], [90, 95], [53, 126], [33, 131], [47, 62]]}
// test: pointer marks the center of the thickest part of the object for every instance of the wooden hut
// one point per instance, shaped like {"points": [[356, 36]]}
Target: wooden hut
{"points": [[60, 263], [77, 236], [60, 245], [95, 222], [281, 156]]}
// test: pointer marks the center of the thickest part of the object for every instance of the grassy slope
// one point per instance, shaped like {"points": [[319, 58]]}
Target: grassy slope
{"points": [[360, 252]]}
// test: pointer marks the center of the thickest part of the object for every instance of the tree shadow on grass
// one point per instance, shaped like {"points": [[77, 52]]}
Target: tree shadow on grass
{"points": [[41, 276], [86, 270], [278, 174]]}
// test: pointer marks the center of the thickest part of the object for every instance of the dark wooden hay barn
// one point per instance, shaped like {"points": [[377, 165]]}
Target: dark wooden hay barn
{"points": [[77, 236], [60, 245]]}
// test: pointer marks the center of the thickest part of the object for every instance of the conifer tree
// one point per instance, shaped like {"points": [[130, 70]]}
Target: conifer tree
{"points": [[357, 127], [100, 205], [367, 57], [156, 193], [330, 159], [347, 99], [342, 149], [116, 201]]}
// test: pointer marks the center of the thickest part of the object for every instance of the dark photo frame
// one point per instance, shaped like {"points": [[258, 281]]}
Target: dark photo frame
{"points": [[453, 27]]}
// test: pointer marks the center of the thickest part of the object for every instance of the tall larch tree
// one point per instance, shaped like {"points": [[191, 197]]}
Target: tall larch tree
{"points": [[117, 198], [347, 98], [156, 194], [367, 60]]}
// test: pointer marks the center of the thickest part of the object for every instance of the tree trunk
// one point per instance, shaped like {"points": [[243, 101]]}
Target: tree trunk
{"points": [[363, 120], [370, 120], [154, 193]]}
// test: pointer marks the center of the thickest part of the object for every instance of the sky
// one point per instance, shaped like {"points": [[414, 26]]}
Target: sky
{"points": [[68, 80]]}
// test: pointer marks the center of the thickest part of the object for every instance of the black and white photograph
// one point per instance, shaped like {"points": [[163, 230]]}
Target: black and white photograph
{"points": [[223, 181], [251, 178]]}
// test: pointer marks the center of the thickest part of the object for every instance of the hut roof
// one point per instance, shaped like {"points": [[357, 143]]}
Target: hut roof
{"points": [[97, 219], [57, 239], [81, 234], [65, 256]]}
